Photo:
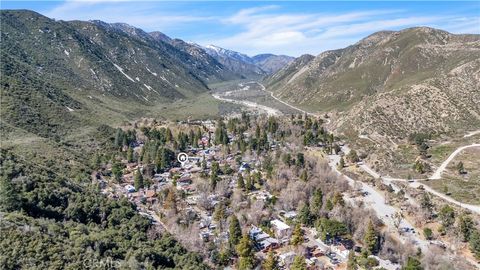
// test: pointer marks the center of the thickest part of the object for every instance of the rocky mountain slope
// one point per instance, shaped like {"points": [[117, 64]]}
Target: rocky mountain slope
{"points": [[271, 63], [58, 74], [235, 61], [256, 66], [390, 83], [211, 69]]}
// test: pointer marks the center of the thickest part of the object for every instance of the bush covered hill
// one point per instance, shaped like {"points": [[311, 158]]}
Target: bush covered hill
{"points": [[390, 83]]}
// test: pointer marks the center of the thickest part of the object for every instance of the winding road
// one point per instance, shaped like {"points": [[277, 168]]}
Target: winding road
{"points": [[387, 180]]}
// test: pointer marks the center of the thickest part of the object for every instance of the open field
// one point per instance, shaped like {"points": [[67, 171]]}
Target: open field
{"points": [[462, 187]]}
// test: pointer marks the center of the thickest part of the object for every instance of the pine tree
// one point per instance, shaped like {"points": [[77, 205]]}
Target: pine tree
{"points": [[298, 263], [341, 164], [271, 262], [234, 230], [412, 264], [297, 235], [138, 180], [300, 161], [304, 215], [130, 154], [214, 170], [240, 182], [371, 239], [248, 182], [316, 201], [460, 168], [352, 262], [117, 171], [8, 198], [245, 253], [329, 205], [447, 216], [475, 243], [466, 225]]}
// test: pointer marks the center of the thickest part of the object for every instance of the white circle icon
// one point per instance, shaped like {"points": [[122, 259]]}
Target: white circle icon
{"points": [[182, 158]]}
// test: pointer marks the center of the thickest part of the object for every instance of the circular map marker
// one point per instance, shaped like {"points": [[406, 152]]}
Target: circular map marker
{"points": [[182, 158]]}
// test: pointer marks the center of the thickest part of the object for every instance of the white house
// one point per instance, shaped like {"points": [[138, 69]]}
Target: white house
{"points": [[281, 229]]}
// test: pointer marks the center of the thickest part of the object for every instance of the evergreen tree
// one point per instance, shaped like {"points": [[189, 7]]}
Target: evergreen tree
{"points": [[352, 262], [316, 201], [460, 168], [245, 253], [371, 239], [240, 182], [304, 215], [466, 225], [287, 159], [8, 195], [447, 216], [214, 174], [428, 233], [248, 182], [297, 235], [117, 171], [341, 164], [329, 205], [300, 161], [271, 262], [234, 230], [475, 243], [298, 263], [412, 264], [130, 154], [168, 135], [138, 180]]}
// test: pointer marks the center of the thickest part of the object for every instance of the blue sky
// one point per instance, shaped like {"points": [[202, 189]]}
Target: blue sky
{"points": [[279, 27]]}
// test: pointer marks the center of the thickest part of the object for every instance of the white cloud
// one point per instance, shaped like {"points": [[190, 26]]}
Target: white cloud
{"points": [[138, 15], [261, 29], [266, 29]]}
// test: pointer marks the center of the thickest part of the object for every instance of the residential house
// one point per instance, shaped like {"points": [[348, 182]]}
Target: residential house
{"points": [[286, 258], [341, 250], [281, 229]]}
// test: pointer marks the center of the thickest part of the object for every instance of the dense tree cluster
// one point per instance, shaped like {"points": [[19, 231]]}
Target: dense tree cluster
{"points": [[50, 221]]}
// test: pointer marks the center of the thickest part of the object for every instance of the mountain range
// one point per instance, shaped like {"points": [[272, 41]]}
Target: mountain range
{"points": [[390, 83], [52, 68]]}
